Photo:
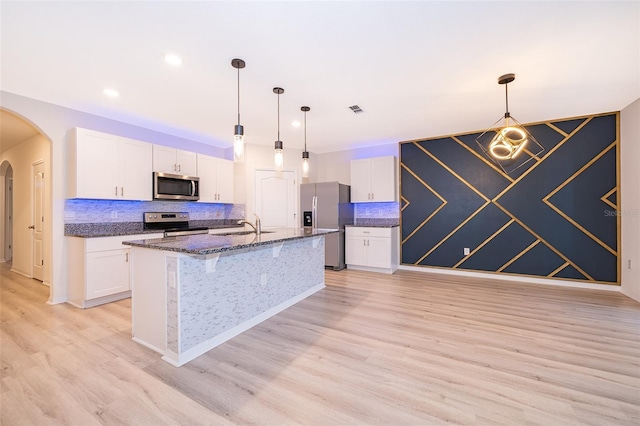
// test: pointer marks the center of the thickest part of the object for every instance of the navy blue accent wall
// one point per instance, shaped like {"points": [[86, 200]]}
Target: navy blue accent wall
{"points": [[555, 217]]}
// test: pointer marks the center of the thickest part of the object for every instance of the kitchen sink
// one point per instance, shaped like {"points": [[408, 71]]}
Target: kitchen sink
{"points": [[243, 233]]}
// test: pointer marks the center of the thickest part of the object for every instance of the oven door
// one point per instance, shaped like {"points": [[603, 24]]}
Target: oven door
{"points": [[168, 186]]}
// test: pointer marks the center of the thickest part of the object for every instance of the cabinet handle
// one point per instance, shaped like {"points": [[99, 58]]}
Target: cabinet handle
{"points": [[175, 167], [126, 257], [122, 191], [179, 167], [116, 191]]}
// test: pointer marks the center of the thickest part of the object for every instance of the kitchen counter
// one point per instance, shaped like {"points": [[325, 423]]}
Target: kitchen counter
{"points": [[111, 229], [206, 244], [192, 293], [376, 223]]}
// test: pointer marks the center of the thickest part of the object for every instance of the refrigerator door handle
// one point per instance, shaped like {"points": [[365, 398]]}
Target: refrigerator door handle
{"points": [[314, 212]]}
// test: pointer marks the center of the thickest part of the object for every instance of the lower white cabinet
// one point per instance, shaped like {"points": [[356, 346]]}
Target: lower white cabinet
{"points": [[372, 249], [99, 270]]}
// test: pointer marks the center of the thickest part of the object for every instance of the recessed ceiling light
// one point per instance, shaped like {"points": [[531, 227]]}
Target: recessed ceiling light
{"points": [[295, 123], [173, 60], [112, 93]]}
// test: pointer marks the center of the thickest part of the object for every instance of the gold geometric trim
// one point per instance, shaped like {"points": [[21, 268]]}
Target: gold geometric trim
{"points": [[444, 166], [551, 151], [565, 183], [485, 242], [605, 198], [433, 191], [452, 232], [518, 256], [558, 269], [557, 129], [483, 159], [552, 248], [407, 202]]}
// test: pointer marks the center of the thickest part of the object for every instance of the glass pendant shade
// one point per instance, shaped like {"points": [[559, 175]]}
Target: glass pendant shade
{"points": [[238, 144], [279, 157], [305, 164]]}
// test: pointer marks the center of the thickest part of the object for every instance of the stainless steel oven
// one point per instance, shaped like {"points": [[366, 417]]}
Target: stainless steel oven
{"points": [[167, 186]]}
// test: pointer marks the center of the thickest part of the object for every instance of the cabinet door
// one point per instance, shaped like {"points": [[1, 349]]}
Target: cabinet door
{"points": [[383, 179], [378, 252], [355, 250], [97, 165], [360, 181], [208, 178], [186, 163], [164, 159], [135, 170], [226, 180], [107, 273]]}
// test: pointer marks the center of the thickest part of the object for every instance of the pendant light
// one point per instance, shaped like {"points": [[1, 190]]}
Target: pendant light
{"points": [[305, 153], [279, 159], [238, 137], [511, 145]]}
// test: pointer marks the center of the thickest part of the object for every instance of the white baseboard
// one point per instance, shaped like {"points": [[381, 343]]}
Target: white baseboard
{"points": [[506, 277], [182, 358], [24, 274]]}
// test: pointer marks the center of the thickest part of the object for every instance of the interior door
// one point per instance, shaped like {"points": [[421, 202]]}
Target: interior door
{"points": [[38, 220], [276, 198]]}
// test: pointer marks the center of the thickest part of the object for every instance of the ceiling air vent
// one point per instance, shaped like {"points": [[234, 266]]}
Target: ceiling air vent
{"points": [[356, 109]]}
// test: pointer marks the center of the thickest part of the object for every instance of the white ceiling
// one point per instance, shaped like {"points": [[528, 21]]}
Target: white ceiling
{"points": [[418, 69]]}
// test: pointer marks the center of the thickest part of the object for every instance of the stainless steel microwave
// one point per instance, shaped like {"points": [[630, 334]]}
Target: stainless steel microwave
{"points": [[167, 186]]}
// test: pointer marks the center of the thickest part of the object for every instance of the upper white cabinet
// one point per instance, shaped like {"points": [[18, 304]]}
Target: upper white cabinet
{"points": [[373, 180], [176, 161], [108, 167], [216, 179]]}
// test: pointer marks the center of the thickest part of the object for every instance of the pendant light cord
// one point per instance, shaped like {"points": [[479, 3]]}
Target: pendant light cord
{"points": [[238, 96], [305, 131], [506, 101], [278, 116]]}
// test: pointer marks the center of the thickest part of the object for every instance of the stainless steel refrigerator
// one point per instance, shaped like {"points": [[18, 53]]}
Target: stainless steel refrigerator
{"points": [[326, 205]]}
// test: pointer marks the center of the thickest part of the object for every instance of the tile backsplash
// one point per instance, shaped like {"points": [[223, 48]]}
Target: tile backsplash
{"points": [[101, 211], [376, 211]]}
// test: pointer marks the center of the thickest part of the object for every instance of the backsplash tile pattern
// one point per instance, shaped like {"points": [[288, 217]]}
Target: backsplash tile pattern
{"points": [[376, 211], [116, 211]]}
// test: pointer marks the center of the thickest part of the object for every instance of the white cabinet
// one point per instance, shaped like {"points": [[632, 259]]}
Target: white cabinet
{"points": [[108, 167], [99, 269], [373, 180], [176, 161], [372, 249], [216, 179]]}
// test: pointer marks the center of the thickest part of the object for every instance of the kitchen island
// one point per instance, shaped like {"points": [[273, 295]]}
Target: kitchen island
{"points": [[192, 293]]}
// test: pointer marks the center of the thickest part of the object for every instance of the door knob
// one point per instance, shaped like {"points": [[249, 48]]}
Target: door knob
{"points": [[32, 227]]}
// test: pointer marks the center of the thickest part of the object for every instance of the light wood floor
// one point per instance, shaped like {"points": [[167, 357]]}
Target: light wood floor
{"points": [[406, 349]]}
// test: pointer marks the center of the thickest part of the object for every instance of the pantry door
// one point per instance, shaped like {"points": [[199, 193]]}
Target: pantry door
{"points": [[37, 224], [276, 198]]}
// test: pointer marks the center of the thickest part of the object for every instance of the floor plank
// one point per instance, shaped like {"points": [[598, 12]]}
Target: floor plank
{"points": [[404, 349]]}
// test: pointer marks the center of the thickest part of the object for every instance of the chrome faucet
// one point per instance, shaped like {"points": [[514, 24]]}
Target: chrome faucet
{"points": [[257, 228]]}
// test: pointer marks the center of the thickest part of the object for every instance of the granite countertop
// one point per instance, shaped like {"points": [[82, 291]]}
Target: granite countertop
{"points": [[376, 223], [204, 244], [95, 230]]}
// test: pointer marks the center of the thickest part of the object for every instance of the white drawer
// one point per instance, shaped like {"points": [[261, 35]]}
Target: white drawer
{"points": [[357, 231], [115, 242]]}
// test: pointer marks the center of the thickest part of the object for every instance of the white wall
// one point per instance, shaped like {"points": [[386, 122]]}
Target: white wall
{"points": [[21, 157], [630, 197]]}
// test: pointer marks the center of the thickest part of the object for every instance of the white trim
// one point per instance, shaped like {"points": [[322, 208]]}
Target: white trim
{"points": [[527, 280], [190, 354]]}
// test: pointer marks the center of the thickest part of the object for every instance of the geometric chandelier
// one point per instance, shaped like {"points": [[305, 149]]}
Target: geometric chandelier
{"points": [[509, 145]]}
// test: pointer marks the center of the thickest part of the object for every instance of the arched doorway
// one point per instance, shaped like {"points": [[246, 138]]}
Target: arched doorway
{"points": [[25, 197]]}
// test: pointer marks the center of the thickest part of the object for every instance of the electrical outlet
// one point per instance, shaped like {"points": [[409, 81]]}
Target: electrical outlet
{"points": [[629, 264], [466, 251]]}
